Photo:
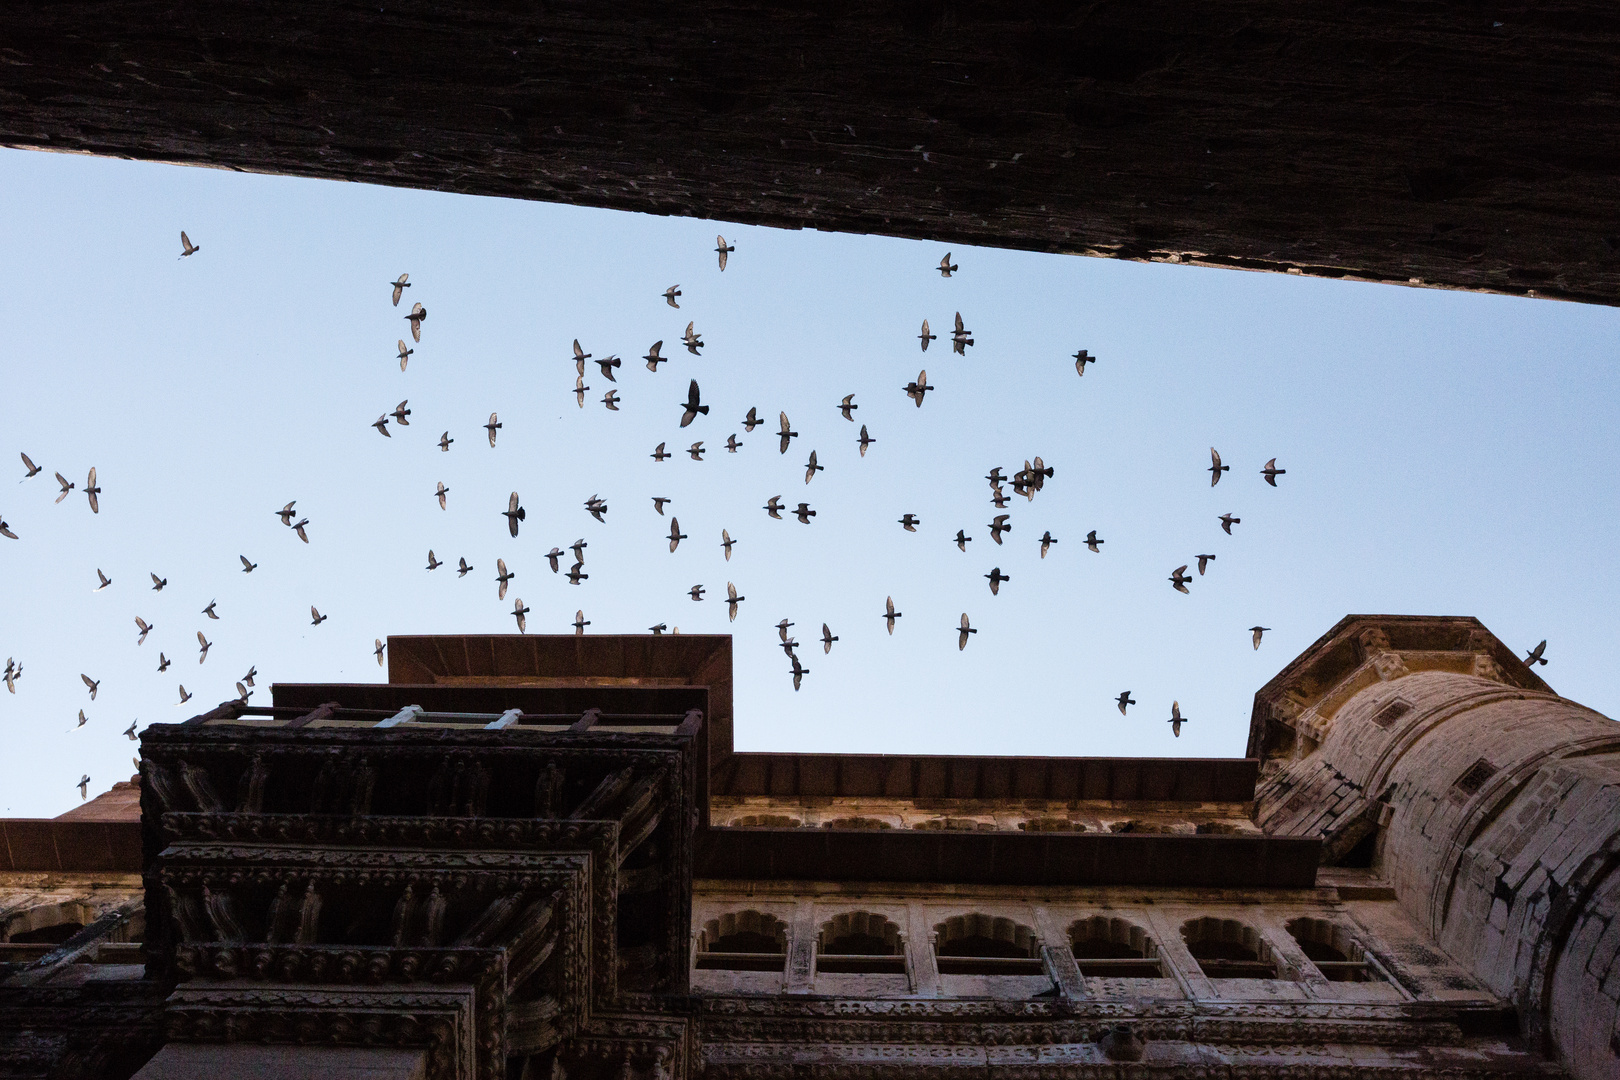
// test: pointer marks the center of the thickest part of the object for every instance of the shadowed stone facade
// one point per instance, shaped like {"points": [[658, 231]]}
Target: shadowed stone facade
{"points": [[540, 857]]}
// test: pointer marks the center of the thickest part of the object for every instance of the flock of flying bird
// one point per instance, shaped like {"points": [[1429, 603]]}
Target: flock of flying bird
{"points": [[1027, 482]]}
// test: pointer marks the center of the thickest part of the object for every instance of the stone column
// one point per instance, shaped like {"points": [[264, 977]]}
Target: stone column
{"points": [[1496, 805]]}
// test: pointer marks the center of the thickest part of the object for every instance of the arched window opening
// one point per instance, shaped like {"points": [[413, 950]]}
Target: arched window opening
{"points": [[1336, 954], [1226, 949], [1114, 949], [860, 943], [856, 823], [742, 941], [986, 945]]}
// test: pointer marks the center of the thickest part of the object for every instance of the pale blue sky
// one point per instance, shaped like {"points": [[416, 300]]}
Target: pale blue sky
{"points": [[1447, 453]]}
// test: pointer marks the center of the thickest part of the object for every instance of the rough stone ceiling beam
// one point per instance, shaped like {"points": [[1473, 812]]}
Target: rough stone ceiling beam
{"points": [[1467, 145]]}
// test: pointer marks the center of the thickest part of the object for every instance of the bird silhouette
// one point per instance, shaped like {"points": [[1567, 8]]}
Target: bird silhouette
{"points": [[130, 731], [696, 450], [158, 583], [518, 613], [909, 522], [381, 424], [723, 249], [243, 693], [786, 432], [726, 541], [286, 513], [996, 578], [962, 540], [247, 567], [13, 673], [692, 406], [1215, 467], [926, 336], [67, 486], [657, 631], [5, 530], [1081, 359], [607, 364], [998, 526], [92, 491], [1203, 561], [441, 492], [998, 498], [1531, 658], [963, 631], [1227, 521], [1257, 631], [1179, 578], [752, 420], [658, 502], [1176, 719], [732, 600], [315, 617], [960, 337], [1047, 540], [773, 507], [401, 412], [204, 644], [799, 671], [675, 534], [415, 318], [1094, 542], [493, 426], [513, 513], [92, 684], [404, 354], [184, 697], [145, 628], [1123, 700], [502, 576], [377, 651], [84, 781], [186, 246], [695, 592], [946, 267], [209, 610], [433, 561], [1271, 472], [804, 513], [827, 638], [578, 548], [693, 340], [298, 529], [811, 468], [732, 443], [576, 574], [611, 400], [163, 662], [580, 356], [579, 391], [400, 284], [552, 556], [464, 568], [33, 470], [105, 580], [848, 406], [916, 390], [865, 440], [659, 453], [670, 294], [889, 614], [580, 623], [653, 357], [251, 674]]}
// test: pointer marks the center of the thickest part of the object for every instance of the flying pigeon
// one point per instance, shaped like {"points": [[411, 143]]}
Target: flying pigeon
{"points": [[848, 406], [84, 781], [518, 613], [286, 513], [865, 440], [513, 513], [724, 249], [5, 530], [675, 534], [946, 267], [158, 583], [695, 592], [105, 580], [670, 294], [607, 364], [187, 247], [732, 443], [251, 674], [696, 450], [1203, 561], [804, 513], [1257, 631], [827, 638], [998, 526], [962, 540], [580, 356], [1216, 468], [732, 600], [1271, 472], [1123, 700], [658, 453], [996, 578], [1093, 541], [611, 400], [91, 683], [579, 391], [144, 627], [491, 427], [33, 469], [441, 493], [657, 631], [502, 576], [799, 670], [400, 284], [1531, 658], [247, 567], [693, 340], [960, 338], [378, 650], [774, 507], [381, 424], [653, 358], [418, 313], [67, 486], [576, 574], [433, 560], [163, 662], [926, 336], [184, 697], [916, 390], [1081, 359], [752, 420], [315, 617], [205, 645], [811, 468], [786, 432], [553, 555], [726, 541], [464, 568], [243, 693], [130, 731], [1176, 719], [1047, 540], [890, 614], [580, 623], [964, 630], [401, 412], [691, 407], [1179, 578], [92, 491], [910, 522], [404, 354], [1227, 521]]}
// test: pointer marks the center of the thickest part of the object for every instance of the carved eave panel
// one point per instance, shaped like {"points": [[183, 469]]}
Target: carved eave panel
{"points": [[1301, 701]]}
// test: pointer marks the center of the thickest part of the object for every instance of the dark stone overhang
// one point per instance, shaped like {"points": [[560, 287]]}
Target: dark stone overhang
{"points": [[1446, 143], [1008, 858]]}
